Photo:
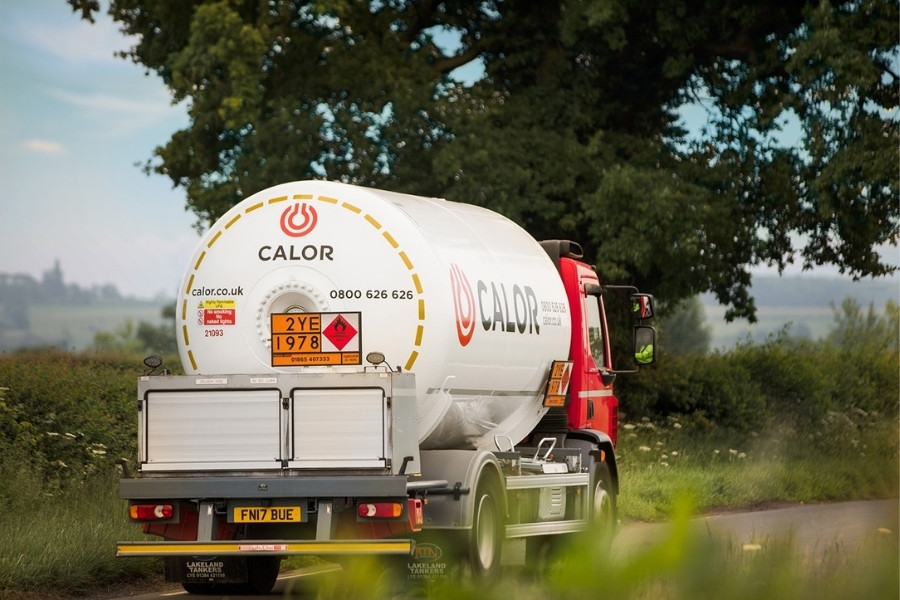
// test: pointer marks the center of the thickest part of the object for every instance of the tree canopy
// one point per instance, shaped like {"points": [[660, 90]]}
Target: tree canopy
{"points": [[571, 127]]}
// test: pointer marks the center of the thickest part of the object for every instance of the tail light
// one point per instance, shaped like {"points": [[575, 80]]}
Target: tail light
{"points": [[151, 512], [380, 510]]}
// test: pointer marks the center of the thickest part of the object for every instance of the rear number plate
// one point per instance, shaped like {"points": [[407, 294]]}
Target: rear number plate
{"points": [[266, 514]]}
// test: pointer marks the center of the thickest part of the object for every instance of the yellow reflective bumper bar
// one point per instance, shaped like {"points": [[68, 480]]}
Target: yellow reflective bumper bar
{"points": [[280, 547]]}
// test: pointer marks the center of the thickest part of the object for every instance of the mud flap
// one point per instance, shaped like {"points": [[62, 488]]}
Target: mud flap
{"points": [[429, 563], [206, 569], [438, 557]]}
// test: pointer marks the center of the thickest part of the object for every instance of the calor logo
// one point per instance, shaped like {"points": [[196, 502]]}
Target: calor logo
{"points": [[298, 219], [463, 304]]}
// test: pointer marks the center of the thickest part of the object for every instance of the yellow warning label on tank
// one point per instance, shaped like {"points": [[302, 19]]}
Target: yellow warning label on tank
{"points": [[219, 304], [215, 313]]}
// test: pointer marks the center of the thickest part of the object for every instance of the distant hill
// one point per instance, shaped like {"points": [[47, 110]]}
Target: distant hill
{"points": [[50, 312], [813, 291], [803, 304], [72, 327]]}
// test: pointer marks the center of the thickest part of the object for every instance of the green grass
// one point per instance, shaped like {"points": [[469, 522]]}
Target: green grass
{"points": [[61, 541], [660, 462], [66, 538]]}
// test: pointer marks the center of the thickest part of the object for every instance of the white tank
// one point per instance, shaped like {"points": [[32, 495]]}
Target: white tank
{"points": [[455, 293]]}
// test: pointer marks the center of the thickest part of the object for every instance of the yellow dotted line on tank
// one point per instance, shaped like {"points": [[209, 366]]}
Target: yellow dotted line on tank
{"points": [[420, 329], [417, 283]]}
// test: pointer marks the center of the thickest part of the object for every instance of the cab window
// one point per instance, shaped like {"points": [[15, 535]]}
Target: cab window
{"points": [[595, 331]]}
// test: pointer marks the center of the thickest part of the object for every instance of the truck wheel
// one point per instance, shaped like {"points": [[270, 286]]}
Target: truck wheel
{"points": [[206, 589], [604, 517], [542, 551], [486, 538], [262, 573]]}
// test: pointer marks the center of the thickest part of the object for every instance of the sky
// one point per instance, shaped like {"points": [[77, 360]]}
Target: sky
{"points": [[75, 123]]}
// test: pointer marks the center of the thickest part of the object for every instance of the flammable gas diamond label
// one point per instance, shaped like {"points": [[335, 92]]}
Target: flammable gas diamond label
{"points": [[305, 339]]}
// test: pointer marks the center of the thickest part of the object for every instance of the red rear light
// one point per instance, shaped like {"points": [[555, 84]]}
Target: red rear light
{"points": [[151, 512], [380, 510]]}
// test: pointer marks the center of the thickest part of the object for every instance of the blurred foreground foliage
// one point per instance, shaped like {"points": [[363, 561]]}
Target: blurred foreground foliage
{"points": [[687, 562]]}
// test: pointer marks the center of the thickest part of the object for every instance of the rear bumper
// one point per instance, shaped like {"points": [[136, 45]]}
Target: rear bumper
{"points": [[266, 547]]}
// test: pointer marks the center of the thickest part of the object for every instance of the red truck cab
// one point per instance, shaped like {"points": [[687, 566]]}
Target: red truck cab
{"points": [[592, 403]]}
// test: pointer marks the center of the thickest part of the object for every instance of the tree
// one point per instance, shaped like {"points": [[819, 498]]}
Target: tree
{"points": [[573, 128], [685, 329], [871, 332], [159, 339], [144, 337]]}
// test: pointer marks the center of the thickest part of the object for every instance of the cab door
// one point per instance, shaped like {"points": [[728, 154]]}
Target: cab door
{"points": [[592, 404]]}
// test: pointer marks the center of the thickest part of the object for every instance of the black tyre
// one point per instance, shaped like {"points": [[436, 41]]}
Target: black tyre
{"points": [[262, 573], [542, 551], [603, 510], [486, 537]]}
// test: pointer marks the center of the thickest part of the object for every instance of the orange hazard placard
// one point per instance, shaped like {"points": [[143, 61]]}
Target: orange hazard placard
{"points": [[304, 339], [558, 383]]}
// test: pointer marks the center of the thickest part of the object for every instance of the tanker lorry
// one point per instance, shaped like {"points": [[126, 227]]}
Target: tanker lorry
{"points": [[376, 373]]}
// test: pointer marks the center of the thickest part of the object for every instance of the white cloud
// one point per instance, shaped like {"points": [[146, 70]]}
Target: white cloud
{"points": [[128, 118], [74, 40], [44, 147], [152, 105]]}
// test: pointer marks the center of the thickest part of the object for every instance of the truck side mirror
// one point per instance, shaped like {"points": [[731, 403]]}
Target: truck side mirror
{"points": [[644, 344], [641, 306]]}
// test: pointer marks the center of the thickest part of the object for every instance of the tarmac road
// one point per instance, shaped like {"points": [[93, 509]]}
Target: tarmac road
{"points": [[812, 529]]}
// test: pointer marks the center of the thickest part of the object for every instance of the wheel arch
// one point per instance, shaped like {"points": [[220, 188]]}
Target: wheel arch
{"points": [[468, 468], [596, 447]]}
